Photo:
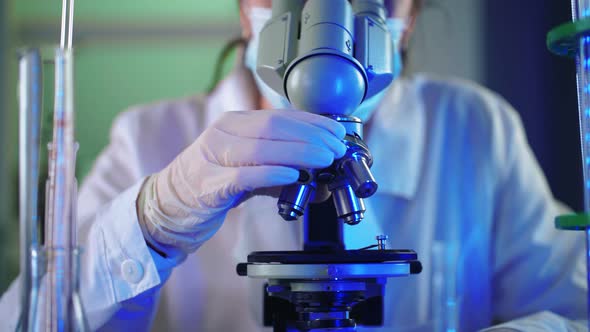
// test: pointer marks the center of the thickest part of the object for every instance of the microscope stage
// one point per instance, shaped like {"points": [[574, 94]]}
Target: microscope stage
{"points": [[330, 265]]}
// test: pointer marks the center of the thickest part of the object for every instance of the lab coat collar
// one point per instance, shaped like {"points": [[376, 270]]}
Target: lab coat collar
{"points": [[394, 133], [237, 92]]}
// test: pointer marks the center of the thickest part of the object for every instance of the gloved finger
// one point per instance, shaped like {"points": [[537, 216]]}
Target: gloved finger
{"points": [[321, 193], [255, 177], [244, 151], [264, 116], [285, 125], [281, 125], [333, 126], [273, 192]]}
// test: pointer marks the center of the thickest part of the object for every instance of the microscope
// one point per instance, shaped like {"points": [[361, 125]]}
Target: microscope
{"points": [[327, 57]]}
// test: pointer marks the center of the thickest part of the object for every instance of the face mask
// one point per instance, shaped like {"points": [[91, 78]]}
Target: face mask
{"points": [[259, 16]]}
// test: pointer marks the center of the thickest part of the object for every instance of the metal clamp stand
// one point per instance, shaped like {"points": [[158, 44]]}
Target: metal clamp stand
{"points": [[573, 40]]}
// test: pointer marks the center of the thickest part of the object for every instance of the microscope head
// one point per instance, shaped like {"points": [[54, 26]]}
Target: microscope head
{"points": [[325, 84], [327, 57]]}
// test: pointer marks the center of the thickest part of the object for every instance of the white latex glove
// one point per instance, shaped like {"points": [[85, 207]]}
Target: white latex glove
{"points": [[183, 205]]}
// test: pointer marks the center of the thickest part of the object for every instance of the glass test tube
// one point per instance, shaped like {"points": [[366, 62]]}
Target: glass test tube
{"points": [[30, 91], [60, 226]]}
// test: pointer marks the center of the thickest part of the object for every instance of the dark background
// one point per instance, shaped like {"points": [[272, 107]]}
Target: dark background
{"points": [[540, 85]]}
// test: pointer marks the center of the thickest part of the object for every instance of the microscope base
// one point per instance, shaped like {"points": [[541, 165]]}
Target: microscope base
{"points": [[326, 291]]}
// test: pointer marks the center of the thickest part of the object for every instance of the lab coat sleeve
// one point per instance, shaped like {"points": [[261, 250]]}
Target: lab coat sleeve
{"points": [[541, 322], [120, 275], [10, 307], [536, 268]]}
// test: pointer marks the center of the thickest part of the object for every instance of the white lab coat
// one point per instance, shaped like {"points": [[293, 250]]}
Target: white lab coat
{"points": [[458, 183]]}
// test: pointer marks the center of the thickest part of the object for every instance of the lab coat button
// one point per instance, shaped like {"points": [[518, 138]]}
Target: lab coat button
{"points": [[132, 271]]}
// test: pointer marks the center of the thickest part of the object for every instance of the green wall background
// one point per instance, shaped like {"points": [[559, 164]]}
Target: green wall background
{"points": [[126, 53], [6, 224]]}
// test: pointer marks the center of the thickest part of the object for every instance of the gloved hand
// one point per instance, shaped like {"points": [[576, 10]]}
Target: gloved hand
{"points": [[183, 205]]}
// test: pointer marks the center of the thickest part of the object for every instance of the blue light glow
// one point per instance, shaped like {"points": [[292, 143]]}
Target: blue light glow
{"points": [[587, 112], [587, 184], [587, 137], [587, 160]]}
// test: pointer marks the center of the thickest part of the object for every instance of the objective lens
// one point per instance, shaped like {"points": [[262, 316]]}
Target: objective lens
{"points": [[294, 199], [357, 171], [349, 207]]}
